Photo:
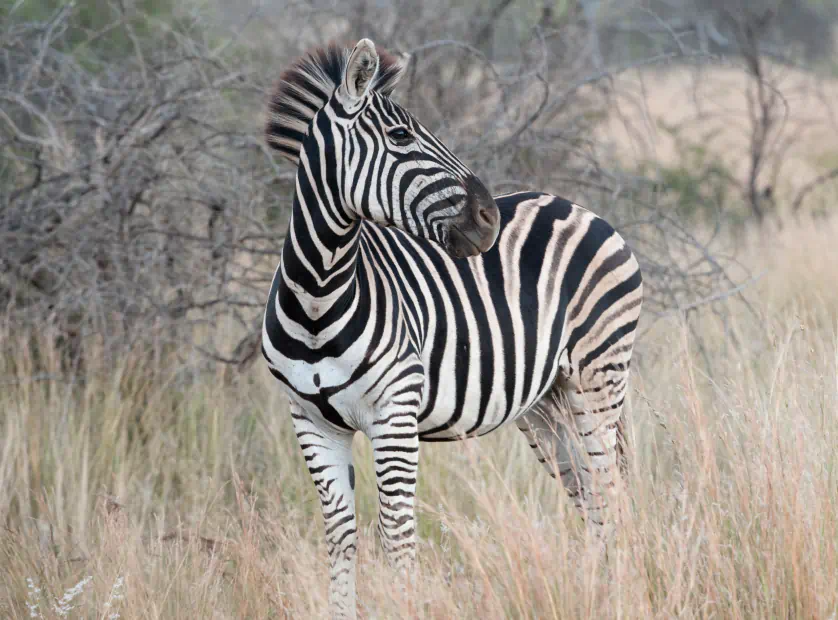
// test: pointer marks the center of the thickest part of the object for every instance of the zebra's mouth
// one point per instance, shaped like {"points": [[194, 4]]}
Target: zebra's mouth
{"points": [[460, 244]]}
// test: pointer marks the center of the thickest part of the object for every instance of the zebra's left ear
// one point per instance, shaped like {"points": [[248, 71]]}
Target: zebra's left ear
{"points": [[360, 70], [391, 68]]}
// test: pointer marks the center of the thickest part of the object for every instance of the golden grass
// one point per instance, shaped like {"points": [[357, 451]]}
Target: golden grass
{"points": [[197, 498]]}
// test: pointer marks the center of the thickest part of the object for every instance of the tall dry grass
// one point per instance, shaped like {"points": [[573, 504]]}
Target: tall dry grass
{"points": [[185, 500]]}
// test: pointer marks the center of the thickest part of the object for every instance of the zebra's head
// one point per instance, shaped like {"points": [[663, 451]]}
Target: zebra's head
{"points": [[331, 114]]}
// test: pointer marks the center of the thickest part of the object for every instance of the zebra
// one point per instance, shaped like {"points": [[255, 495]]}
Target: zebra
{"points": [[412, 305]]}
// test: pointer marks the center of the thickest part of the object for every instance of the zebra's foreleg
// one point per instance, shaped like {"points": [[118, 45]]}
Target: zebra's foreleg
{"points": [[328, 455], [395, 443]]}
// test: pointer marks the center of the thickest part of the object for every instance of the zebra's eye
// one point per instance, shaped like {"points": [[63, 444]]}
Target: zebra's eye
{"points": [[400, 135]]}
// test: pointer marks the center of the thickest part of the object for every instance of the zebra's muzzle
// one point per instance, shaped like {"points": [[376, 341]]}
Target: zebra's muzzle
{"points": [[476, 228]]}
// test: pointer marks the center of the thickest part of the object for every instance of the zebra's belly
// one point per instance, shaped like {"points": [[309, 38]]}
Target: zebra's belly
{"points": [[469, 425], [478, 414]]}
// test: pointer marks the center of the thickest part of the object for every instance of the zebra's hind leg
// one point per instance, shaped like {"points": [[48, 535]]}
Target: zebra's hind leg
{"points": [[328, 455], [575, 436]]}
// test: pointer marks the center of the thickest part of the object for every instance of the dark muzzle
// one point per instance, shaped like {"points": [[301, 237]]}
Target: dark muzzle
{"points": [[476, 228]]}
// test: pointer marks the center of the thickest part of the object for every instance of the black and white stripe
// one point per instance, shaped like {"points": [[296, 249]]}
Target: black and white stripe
{"points": [[412, 306]]}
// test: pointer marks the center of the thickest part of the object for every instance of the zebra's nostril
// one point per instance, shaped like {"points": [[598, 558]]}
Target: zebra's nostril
{"points": [[484, 216]]}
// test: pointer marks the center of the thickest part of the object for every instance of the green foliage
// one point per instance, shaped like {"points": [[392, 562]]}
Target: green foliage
{"points": [[826, 160], [98, 25], [698, 183]]}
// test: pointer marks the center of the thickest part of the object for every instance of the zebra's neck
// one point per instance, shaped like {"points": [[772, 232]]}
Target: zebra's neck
{"points": [[320, 255]]}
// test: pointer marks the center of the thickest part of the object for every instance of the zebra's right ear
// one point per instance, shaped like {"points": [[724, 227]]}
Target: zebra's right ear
{"points": [[360, 71]]}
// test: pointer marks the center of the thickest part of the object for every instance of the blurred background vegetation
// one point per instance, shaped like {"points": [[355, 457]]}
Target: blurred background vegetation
{"points": [[139, 207]]}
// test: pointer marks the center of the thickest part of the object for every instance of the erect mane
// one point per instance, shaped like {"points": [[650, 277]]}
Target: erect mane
{"points": [[306, 87]]}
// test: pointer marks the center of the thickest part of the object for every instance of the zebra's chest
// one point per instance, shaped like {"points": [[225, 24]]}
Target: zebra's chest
{"points": [[343, 394], [349, 386]]}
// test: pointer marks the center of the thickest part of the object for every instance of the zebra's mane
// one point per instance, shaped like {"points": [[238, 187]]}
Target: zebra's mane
{"points": [[306, 87]]}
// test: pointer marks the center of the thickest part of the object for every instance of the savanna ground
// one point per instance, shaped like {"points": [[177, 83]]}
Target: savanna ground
{"points": [[165, 502]]}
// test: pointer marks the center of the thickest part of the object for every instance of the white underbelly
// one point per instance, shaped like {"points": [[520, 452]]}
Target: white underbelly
{"points": [[498, 411]]}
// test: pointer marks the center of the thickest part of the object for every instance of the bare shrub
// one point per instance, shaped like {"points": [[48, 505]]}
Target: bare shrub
{"points": [[134, 197]]}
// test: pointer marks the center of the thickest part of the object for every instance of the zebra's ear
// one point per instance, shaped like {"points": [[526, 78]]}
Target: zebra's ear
{"points": [[391, 68], [360, 70]]}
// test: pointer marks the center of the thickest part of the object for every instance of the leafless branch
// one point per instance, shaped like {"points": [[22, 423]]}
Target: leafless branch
{"points": [[812, 186]]}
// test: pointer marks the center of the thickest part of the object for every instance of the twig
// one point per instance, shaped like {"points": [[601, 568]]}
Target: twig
{"points": [[812, 186]]}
